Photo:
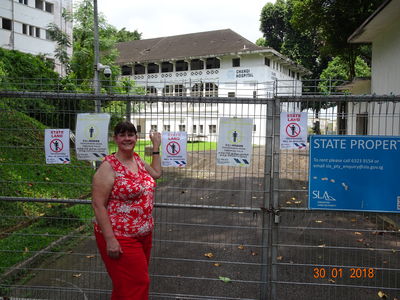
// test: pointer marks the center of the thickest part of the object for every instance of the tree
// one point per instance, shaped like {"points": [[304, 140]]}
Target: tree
{"points": [[337, 71], [63, 43], [124, 35], [333, 21], [302, 47]]}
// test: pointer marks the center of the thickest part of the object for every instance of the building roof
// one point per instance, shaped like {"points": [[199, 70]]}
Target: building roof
{"points": [[195, 45], [376, 23]]}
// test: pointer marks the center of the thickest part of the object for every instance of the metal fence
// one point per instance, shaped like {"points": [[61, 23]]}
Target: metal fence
{"points": [[221, 232]]}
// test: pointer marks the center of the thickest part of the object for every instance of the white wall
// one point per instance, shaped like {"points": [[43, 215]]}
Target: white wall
{"points": [[386, 61]]}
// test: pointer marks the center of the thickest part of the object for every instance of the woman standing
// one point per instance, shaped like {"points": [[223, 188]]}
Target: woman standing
{"points": [[122, 200]]}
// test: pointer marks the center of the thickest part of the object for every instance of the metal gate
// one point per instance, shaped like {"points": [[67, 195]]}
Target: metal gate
{"points": [[221, 232]]}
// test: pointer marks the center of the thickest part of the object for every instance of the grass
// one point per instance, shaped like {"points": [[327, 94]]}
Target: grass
{"points": [[28, 227]]}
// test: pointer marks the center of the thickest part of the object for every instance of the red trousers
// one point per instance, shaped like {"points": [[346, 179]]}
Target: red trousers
{"points": [[129, 273]]}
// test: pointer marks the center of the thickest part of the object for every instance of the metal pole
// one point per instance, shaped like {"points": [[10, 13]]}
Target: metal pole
{"points": [[96, 80], [266, 216]]}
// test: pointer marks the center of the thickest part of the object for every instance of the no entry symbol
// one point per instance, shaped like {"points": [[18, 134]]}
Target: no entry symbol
{"points": [[293, 130], [173, 148], [56, 145]]}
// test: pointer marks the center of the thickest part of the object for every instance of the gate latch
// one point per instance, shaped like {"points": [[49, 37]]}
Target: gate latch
{"points": [[277, 216]]}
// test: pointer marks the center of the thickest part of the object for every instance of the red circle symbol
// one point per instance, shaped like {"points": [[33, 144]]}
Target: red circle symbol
{"points": [[56, 145], [293, 130], [173, 148]]}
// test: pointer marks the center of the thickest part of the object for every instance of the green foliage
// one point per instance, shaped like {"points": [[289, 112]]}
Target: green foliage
{"points": [[261, 42], [33, 178], [299, 45], [337, 71], [334, 21], [17, 65], [124, 35], [63, 43]]}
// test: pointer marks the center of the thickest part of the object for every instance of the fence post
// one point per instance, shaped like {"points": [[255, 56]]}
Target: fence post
{"points": [[275, 217], [266, 216]]}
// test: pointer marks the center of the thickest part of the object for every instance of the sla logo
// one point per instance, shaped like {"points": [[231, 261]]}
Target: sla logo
{"points": [[322, 196]]}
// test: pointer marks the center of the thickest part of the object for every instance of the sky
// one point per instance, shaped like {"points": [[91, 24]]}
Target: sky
{"points": [[159, 18]]}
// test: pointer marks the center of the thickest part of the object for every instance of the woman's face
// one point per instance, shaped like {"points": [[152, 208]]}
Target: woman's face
{"points": [[126, 141]]}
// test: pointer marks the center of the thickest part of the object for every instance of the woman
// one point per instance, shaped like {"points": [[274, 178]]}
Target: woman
{"points": [[122, 200]]}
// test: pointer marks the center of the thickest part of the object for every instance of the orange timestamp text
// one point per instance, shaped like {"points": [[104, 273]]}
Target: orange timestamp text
{"points": [[352, 273]]}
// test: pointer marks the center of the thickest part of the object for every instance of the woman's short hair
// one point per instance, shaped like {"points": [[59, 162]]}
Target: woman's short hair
{"points": [[123, 127]]}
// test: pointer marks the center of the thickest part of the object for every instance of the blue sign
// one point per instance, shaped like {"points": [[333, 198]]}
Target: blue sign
{"points": [[359, 173]]}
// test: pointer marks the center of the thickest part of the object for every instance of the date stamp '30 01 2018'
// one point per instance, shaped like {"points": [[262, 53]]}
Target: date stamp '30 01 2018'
{"points": [[352, 273]]}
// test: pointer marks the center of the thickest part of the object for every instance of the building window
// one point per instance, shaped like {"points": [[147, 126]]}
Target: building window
{"points": [[24, 29], [49, 7], [168, 90], [39, 4], [138, 69], [167, 127], [212, 63], [362, 124], [166, 67], [212, 128], [231, 94], [180, 90], [254, 94], [196, 64], [23, 2], [6, 24], [153, 68], [235, 62], [151, 90], [139, 128], [153, 127], [211, 90], [201, 129], [126, 70], [37, 32], [254, 127], [181, 65], [31, 30], [194, 129], [267, 61], [197, 90], [182, 127]]}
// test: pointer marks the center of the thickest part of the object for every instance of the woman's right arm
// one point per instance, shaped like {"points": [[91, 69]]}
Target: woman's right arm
{"points": [[103, 181]]}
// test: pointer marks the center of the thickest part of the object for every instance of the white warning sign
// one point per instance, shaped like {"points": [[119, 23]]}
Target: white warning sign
{"points": [[92, 136], [56, 146], [234, 142], [174, 153], [293, 130]]}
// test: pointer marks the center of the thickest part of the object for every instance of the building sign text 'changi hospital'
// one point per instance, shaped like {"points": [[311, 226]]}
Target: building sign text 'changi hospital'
{"points": [[244, 73]]}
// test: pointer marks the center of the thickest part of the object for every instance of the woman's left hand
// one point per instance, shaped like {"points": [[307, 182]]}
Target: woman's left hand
{"points": [[155, 138]]}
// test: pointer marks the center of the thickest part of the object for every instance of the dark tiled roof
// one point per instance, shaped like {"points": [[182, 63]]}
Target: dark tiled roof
{"points": [[210, 43]]}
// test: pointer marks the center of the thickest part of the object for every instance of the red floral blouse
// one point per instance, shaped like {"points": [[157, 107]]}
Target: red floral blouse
{"points": [[131, 200]]}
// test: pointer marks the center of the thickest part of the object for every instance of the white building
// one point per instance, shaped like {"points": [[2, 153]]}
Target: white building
{"points": [[381, 30], [23, 25], [217, 63]]}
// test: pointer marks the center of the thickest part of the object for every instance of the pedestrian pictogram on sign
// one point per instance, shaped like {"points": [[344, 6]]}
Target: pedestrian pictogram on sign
{"points": [[173, 145], [234, 142], [173, 148], [91, 141], [56, 145], [293, 130]]}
